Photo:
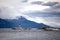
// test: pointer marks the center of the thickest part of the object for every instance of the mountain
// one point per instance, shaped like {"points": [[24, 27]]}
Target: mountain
{"points": [[4, 23], [30, 24], [21, 21]]}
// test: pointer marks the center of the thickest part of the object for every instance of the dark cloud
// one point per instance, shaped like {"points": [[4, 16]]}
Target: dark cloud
{"points": [[24, 1], [57, 6], [45, 14], [37, 2], [50, 3]]}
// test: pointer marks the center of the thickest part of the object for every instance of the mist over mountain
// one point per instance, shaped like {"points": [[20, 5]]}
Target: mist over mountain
{"points": [[21, 21]]}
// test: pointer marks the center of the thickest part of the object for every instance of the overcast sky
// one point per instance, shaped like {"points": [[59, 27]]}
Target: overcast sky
{"points": [[40, 11]]}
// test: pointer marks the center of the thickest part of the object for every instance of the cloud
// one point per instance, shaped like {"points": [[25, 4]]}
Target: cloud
{"points": [[13, 8], [44, 13], [34, 8], [8, 13], [53, 21], [24, 1], [37, 2], [50, 3], [57, 6], [10, 9]]}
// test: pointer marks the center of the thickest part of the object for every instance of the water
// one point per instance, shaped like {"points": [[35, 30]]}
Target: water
{"points": [[29, 35]]}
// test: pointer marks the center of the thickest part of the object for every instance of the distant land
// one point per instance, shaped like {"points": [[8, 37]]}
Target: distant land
{"points": [[21, 21]]}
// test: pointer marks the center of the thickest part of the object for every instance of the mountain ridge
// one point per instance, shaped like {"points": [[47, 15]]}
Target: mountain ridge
{"points": [[20, 21]]}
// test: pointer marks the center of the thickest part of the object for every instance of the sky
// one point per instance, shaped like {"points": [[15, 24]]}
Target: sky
{"points": [[40, 11]]}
